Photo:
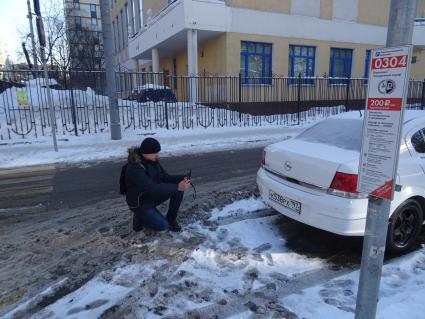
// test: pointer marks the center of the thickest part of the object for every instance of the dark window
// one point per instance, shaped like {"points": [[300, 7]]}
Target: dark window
{"points": [[340, 65], [77, 21], [132, 18], [127, 21], [367, 65], [418, 141], [118, 33], [256, 63], [123, 27], [93, 11], [114, 28], [77, 4], [302, 62], [140, 14]]}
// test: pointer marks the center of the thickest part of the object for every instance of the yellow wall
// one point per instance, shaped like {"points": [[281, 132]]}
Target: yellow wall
{"points": [[326, 9], [221, 56], [281, 52], [211, 58], [418, 68], [374, 12], [421, 9], [280, 6], [155, 5]]}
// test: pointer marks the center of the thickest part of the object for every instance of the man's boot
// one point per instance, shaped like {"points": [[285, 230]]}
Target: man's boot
{"points": [[174, 226]]}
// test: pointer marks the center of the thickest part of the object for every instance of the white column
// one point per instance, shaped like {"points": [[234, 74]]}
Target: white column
{"points": [[195, 51], [155, 66], [155, 60], [192, 52], [192, 62], [135, 69]]}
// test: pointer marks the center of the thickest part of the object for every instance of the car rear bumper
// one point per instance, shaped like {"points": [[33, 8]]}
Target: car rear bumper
{"points": [[335, 214]]}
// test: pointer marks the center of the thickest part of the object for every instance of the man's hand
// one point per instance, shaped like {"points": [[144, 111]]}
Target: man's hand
{"points": [[184, 185]]}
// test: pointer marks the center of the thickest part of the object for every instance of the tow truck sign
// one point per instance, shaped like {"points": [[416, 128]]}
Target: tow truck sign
{"points": [[388, 82]]}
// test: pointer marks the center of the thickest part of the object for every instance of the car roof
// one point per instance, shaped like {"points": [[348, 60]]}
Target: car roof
{"points": [[409, 115]]}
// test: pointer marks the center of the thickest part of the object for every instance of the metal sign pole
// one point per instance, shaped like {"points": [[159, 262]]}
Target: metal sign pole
{"points": [[110, 70], [42, 40], [400, 31]]}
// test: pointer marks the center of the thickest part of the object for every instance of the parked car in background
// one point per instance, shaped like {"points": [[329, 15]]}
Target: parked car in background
{"points": [[153, 92], [312, 178]]}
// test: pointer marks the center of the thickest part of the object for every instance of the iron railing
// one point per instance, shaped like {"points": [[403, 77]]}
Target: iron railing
{"points": [[152, 101]]}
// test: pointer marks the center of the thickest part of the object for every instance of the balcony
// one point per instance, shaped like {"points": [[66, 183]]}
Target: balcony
{"points": [[168, 30]]}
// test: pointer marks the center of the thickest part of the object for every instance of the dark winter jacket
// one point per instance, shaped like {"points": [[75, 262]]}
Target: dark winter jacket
{"points": [[147, 182]]}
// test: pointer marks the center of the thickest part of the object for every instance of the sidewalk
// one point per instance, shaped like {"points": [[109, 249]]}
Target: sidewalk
{"points": [[99, 147]]}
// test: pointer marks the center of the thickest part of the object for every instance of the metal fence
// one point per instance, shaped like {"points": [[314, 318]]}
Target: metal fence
{"points": [[152, 101]]}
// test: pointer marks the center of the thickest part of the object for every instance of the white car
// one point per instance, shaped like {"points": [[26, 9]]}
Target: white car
{"points": [[312, 178]]}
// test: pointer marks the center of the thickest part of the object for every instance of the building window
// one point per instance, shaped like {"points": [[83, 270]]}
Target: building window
{"points": [[93, 21], [114, 30], [302, 60], [76, 4], [367, 65], [77, 21], [132, 13], [93, 11], [140, 14], [122, 29], [340, 65], [256, 62], [127, 20], [119, 33]]}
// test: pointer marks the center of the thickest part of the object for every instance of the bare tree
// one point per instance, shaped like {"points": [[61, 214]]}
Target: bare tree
{"points": [[66, 47]]}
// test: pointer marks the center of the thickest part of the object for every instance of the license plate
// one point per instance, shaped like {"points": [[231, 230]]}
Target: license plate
{"points": [[285, 201]]}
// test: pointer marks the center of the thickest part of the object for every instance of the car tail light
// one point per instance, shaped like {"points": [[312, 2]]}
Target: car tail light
{"points": [[345, 185], [263, 159]]}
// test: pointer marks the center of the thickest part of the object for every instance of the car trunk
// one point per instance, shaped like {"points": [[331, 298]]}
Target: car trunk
{"points": [[311, 163]]}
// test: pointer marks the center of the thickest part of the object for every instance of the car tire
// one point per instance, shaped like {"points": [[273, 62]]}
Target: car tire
{"points": [[404, 227]]}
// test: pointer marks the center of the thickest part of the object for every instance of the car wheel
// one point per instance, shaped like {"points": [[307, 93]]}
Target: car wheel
{"points": [[404, 227]]}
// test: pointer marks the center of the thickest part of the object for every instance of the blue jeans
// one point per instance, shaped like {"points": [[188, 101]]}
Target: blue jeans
{"points": [[151, 218]]}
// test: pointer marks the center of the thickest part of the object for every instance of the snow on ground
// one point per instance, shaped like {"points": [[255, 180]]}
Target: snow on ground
{"points": [[233, 258], [238, 208], [100, 147], [243, 256], [99, 294], [402, 293]]}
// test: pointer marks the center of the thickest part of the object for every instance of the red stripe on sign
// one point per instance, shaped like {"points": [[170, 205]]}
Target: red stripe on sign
{"points": [[384, 104], [390, 62], [385, 191]]}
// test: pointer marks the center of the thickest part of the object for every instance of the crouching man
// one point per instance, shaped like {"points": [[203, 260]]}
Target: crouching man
{"points": [[148, 185]]}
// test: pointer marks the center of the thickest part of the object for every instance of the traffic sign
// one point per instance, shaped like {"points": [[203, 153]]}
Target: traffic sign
{"points": [[387, 91]]}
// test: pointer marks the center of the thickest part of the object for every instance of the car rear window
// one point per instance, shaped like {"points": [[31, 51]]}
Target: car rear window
{"points": [[341, 133]]}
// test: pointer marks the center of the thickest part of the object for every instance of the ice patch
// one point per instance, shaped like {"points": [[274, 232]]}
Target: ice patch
{"points": [[238, 208]]}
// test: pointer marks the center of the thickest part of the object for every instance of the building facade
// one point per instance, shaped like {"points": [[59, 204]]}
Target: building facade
{"points": [[84, 34], [256, 39]]}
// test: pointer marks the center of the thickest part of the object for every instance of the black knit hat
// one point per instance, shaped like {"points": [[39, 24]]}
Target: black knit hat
{"points": [[149, 146]]}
